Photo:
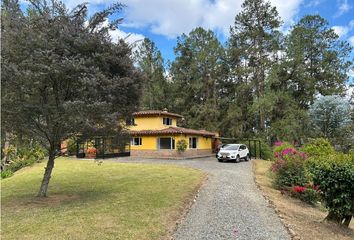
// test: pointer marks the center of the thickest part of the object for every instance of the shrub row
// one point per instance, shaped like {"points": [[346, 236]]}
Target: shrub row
{"points": [[317, 172]]}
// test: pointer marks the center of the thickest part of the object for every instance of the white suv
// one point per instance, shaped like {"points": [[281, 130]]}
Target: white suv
{"points": [[233, 152]]}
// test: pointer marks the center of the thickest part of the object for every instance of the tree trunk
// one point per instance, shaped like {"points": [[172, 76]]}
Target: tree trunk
{"points": [[343, 221], [347, 220], [47, 174], [332, 217]]}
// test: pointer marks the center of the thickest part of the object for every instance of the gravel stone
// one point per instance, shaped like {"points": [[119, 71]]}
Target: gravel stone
{"points": [[229, 205]]}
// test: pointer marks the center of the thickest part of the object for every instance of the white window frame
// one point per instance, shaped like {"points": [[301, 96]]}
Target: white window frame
{"points": [[140, 141], [173, 144], [167, 121], [190, 145]]}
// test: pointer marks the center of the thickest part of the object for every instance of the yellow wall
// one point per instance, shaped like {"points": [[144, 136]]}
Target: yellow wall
{"points": [[151, 123], [204, 143], [150, 142]]}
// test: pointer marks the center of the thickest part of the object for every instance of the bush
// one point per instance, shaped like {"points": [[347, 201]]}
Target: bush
{"points": [[307, 194], [289, 168], [266, 151], [318, 147], [279, 147], [6, 173], [334, 174], [181, 145], [19, 158]]}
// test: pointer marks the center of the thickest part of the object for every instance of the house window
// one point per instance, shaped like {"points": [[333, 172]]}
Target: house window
{"points": [[130, 122], [193, 142], [137, 141], [166, 143], [167, 121]]}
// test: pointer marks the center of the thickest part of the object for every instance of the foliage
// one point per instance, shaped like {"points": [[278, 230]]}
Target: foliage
{"points": [[318, 147], [62, 75], [181, 145], [266, 151], [313, 45], [155, 89], [17, 158], [330, 114], [306, 194], [289, 168], [334, 174], [6, 173], [253, 38], [198, 74], [279, 147], [71, 146]]}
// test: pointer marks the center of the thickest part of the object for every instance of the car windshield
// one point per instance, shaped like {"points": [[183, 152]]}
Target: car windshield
{"points": [[231, 147]]}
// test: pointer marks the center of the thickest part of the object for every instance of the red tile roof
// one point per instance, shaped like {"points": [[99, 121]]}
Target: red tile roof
{"points": [[156, 113], [173, 131]]}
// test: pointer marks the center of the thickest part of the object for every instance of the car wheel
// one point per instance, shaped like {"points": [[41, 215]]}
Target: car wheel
{"points": [[219, 160], [247, 158], [237, 159]]}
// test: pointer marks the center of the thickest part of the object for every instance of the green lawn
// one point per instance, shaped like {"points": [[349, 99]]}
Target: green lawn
{"points": [[90, 201]]}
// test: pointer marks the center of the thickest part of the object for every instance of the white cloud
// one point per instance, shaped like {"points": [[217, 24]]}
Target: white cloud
{"points": [[314, 3], [173, 17], [340, 30], [343, 8], [351, 73], [131, 38]]}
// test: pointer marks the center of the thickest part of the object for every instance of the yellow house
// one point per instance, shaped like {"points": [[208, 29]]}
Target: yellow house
{"points": [[155, 133]]}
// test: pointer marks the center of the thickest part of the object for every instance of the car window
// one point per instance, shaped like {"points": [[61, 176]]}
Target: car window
{"points": [[231, 147], [242, 147]]}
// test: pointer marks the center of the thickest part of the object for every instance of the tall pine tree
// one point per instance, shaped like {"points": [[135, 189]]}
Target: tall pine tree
{"points": [[155, 87], [317, 61], [197, 74], [253, 48]]}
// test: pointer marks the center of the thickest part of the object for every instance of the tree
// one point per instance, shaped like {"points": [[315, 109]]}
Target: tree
{"points": [[63, 75], [197, 75], [317, 61], [155, 87], [330, 114], [253, 48]]}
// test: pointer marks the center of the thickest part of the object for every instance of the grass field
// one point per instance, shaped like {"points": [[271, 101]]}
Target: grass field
{"points": [[303, 218], [90, 201]]}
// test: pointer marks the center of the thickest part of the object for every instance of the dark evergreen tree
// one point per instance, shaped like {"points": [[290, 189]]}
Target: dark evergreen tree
{"points": [[197, 74], [253, 48], [155, 94], [62, 75], [317, 61]]}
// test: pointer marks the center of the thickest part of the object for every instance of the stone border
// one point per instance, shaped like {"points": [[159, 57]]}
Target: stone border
{"points": [[292, 233]]}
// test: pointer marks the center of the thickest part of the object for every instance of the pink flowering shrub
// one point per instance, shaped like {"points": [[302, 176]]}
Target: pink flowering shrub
{"points": [[280, 146], [289, 167]]}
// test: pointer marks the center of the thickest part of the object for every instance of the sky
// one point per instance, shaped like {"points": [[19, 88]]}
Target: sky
{"points": [[163, 20]]}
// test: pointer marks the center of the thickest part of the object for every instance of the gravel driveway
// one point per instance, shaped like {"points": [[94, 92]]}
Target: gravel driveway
{"points": [[229, 206]]}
